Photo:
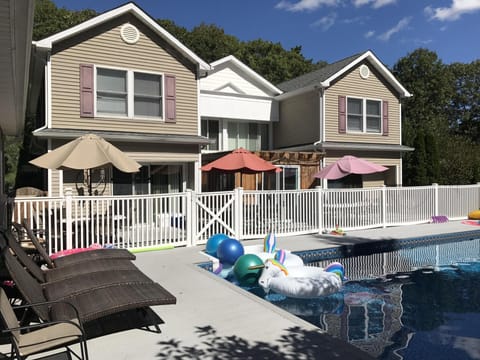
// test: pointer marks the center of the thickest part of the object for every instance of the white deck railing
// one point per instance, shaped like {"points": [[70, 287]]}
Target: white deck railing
{"points": [[189, 218]]}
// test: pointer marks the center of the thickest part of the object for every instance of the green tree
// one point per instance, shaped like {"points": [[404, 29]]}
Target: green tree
{"points": [[49, 19], [425, 113], [419, 160], [464, 114]]}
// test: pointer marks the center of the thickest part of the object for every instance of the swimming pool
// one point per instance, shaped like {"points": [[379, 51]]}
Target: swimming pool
{"points": [[412, 303]]}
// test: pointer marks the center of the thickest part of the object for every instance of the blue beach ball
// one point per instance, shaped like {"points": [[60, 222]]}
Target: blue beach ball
{"points": [[213, 242], [229, 251]]}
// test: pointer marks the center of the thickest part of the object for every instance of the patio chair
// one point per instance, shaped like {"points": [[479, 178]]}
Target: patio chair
{"points": [[41, 337], [92, 304], [78, 257], [108, 267]]}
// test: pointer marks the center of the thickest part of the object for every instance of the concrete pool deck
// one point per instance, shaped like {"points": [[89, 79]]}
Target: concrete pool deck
{"points": [[214, 319]]}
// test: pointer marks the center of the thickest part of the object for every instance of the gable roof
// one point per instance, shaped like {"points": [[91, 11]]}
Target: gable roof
{"points": [[323, 77], [248, 72], [133, 9]]}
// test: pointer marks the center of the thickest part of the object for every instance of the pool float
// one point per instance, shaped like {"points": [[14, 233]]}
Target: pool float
{"points": [[474, 215], [269, 251], [301, 281]]}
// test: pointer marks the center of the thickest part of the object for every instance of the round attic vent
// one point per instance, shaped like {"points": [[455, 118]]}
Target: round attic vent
{"points": [[364, 71], [129, 34]]}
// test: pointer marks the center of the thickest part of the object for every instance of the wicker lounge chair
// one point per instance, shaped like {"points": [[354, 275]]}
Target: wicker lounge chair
{"points": [[38, 338], [93, 304], [66, 272], [74, 258]]}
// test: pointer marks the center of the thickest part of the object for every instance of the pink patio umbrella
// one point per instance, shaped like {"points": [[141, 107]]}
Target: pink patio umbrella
{"points": [[241, 160], [348, 165]]}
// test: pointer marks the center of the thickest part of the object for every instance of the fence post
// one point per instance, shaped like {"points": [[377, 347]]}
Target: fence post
{"points": [[68, 217], [320, 208], [238, 216], [384, 205], [435, 199], [189, 220]]}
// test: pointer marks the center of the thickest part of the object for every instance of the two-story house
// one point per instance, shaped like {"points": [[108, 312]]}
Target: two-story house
{"points": [[122, 76], [350, 107]]}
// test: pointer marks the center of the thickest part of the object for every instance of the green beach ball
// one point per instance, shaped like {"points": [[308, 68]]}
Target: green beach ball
{"points": [[244, 275]]}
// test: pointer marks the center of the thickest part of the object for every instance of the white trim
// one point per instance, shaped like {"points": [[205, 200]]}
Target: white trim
{"points": [[378, 65], [247, 70], [48, 92], [137, 12], [400, 120]]}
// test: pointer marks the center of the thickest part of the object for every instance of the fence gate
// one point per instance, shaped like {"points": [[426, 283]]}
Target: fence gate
{"points": [[213, 213]]}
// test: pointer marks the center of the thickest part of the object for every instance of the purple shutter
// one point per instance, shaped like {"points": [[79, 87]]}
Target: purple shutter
{"points": [[86, 90], [342, 114], [385, 118], [170, 99]]}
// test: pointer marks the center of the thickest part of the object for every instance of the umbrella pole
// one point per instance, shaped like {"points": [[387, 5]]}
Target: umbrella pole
{"points": [[89, 179]]}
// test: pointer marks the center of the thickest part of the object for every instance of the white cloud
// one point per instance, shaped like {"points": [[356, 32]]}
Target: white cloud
{"points": [[306, 5], [356, 20], [326, 22], [369, 34], [375, 3], [402, 24], [456, 9]]}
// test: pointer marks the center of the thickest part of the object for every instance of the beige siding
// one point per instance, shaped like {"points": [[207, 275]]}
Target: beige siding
{"points": [[299, 121], [372, 88], [106, 48]]}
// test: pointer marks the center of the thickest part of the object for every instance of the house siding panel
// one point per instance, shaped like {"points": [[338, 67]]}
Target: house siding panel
{"points": [[373, 88], [300, 121], [108, 49]]}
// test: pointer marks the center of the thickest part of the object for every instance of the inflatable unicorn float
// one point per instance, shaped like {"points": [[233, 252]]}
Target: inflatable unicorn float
{"points": [[286, 274]]}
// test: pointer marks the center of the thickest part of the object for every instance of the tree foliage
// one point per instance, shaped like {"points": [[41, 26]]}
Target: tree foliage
{"points": [[444, 110], [464, 112], [49, 19]]}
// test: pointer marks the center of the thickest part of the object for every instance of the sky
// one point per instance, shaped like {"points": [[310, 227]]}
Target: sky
{"points": [[330, 30]]}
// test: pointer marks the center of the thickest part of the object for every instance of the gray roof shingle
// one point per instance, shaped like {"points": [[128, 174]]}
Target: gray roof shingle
{"points": [[316, 76]]}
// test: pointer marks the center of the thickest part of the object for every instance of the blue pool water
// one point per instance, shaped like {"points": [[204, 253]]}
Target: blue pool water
{"points": [[414, 303]]}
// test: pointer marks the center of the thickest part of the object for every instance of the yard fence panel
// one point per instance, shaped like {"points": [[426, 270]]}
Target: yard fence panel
{"points": [[191, 218]]}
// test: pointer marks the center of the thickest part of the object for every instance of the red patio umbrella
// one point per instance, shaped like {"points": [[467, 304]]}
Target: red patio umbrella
{"points": [[348, 165], [241, 160]]}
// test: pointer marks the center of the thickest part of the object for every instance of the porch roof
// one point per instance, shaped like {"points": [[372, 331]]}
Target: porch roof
{"points": [[325, 146], [123, 136]]}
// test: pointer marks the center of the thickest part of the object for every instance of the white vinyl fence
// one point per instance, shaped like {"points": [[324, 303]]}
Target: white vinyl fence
{"points": [[189, 218]]}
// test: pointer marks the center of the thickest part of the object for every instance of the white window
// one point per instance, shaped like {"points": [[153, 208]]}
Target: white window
{"points": [[364, 115], [129, 93], [211, 130], [251, 136]]}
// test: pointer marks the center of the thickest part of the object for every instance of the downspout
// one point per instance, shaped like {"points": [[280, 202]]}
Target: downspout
{"points": [[321, 113]]}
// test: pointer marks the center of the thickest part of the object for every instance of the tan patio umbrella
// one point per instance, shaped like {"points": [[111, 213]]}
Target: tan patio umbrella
{"points": [[85, 153]]}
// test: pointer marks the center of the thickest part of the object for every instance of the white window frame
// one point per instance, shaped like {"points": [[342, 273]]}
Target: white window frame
{"points": [[226, 137], [364, 116], [130, 94]]}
